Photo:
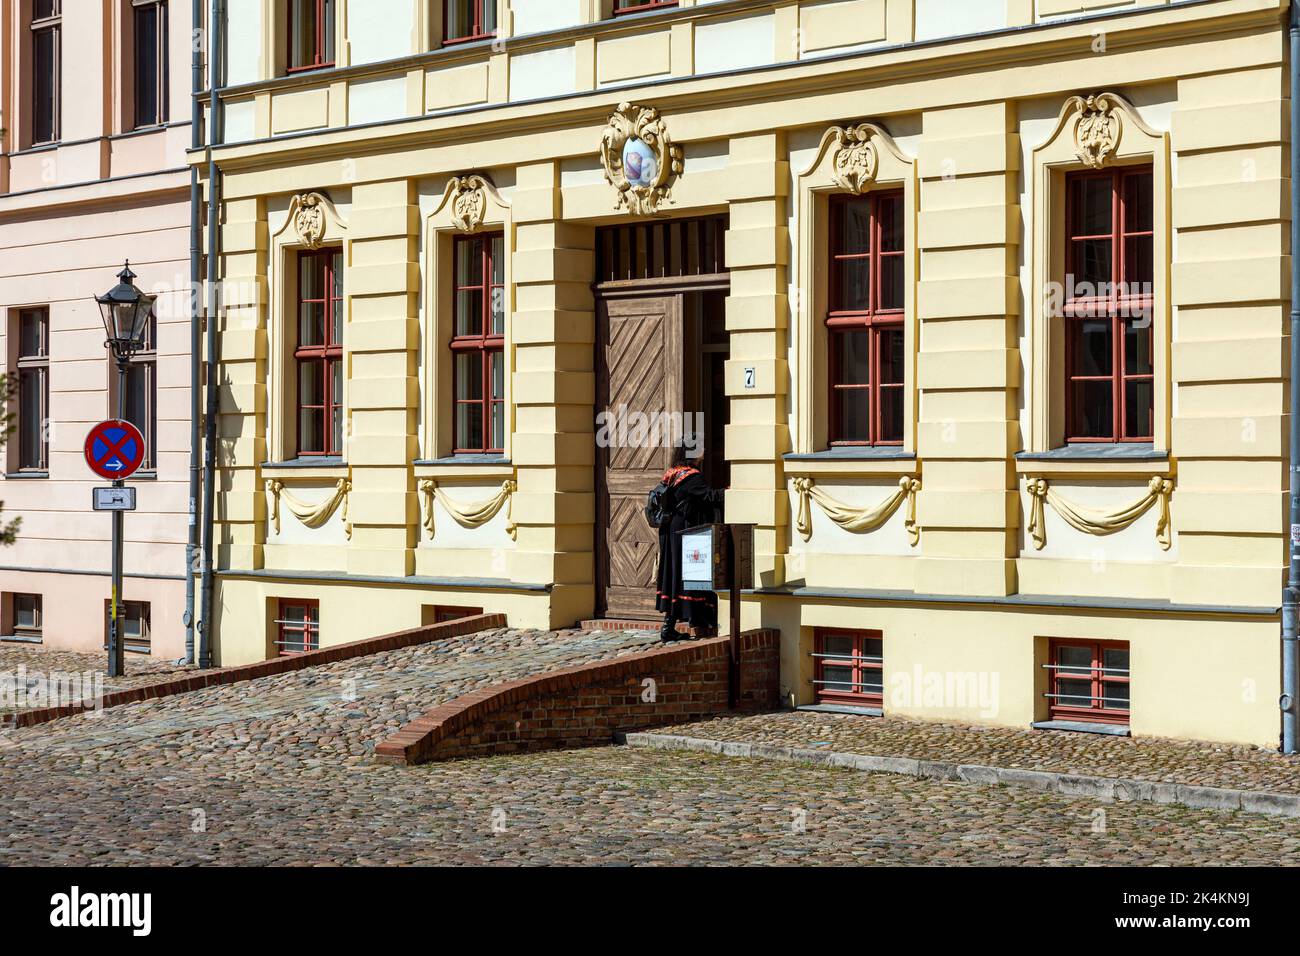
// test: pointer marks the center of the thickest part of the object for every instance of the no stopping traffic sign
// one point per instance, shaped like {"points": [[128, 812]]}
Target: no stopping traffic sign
{"points": [[114, 449]]}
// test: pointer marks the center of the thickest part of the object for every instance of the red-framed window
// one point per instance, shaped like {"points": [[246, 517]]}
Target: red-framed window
{"points": [[297, 627], [1110, 381], [467, 20], [33, 411], [850, 667], [151, 67], [319, 353], [311, 35], [637, 6], [478, 344], [864, 319], [47, 68], [1089, 680]]}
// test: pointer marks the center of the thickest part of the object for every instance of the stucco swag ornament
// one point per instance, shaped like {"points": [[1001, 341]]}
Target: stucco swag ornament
{"points": [[1095, 521], [1098, 128], [469, 516], [308, 217], [857, 520], [640, 159], [311, 515]]}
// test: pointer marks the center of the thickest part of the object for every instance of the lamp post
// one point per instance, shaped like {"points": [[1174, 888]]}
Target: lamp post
{"points": [[125, 311]]}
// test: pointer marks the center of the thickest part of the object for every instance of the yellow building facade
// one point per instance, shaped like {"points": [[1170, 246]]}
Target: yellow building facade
{"points": [[848, 243]]}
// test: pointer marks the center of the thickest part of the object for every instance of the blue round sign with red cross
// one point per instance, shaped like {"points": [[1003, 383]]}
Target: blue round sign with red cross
{"points": [[114, 449]]}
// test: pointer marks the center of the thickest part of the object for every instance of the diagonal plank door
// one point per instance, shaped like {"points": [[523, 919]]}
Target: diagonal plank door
{"points": [[639, 352]]}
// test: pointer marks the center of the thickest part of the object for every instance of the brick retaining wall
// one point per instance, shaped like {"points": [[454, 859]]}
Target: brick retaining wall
{"points": [[587, 704], [278, 665]]}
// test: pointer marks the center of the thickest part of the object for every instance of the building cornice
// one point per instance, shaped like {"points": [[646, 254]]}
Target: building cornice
{"points": [[1016, 47]]}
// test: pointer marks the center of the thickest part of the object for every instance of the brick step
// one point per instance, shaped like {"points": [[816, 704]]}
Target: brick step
{"points": [[620, 624]]}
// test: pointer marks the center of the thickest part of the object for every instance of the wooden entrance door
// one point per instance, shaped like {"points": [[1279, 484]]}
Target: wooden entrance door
{"points": [[639, 359]]}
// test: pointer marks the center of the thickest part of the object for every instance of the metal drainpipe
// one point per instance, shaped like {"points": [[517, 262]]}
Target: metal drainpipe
{"points": [[215, 31], [196, 321], [1291, 597]]}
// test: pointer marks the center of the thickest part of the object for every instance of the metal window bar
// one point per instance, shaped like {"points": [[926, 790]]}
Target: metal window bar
{"points": [[1109, 700], [1088, 671], [850, 659]]}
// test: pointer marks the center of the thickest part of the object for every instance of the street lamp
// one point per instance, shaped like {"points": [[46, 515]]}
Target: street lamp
{"points": [[126, 312]]}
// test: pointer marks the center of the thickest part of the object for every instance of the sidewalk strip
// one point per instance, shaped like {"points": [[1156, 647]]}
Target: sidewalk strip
{"points": [[1107, 789]]}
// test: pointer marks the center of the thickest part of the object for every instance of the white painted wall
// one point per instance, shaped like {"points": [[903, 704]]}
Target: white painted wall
{"points": [[735, 44], [536, 16], [544, 73], [243, 41], [380, 29], [950, 18], [240, 121], [373, 101]]}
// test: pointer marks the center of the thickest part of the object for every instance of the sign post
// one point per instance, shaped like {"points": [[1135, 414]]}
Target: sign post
{"points": [[114, 450], [720, 557]]}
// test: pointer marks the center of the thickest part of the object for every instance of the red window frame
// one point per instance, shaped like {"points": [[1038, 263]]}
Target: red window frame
{"points": [[1120, 306], [484, 342], [144, 84], [1101, 708], [321, 42], [478, 28], [640, 6], [47, 22], [304, 635], [32, 395], [328, 352], [880, 322], [860, 663]]}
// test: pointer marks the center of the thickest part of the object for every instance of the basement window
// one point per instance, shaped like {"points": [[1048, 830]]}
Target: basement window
{"points": [[1089, 681], [850, 667], [298, 627], [28, 618]]}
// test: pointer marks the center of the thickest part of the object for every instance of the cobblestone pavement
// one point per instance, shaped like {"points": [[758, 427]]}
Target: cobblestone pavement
{"points": [[1173, 761], [32, 667], [276, 771]]}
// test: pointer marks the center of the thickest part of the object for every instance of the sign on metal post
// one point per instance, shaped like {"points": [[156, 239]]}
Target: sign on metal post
{"points": [[113, 499], [114, 449]]}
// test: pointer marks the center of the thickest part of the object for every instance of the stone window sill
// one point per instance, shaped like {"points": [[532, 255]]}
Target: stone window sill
{"points": [[841, 709], [307, 468], [853, 461], [1082, 727], [466, 466], [1095, 459]]}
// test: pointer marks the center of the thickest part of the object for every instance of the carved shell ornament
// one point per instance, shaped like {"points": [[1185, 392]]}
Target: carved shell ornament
{"points": [[309, 219], [468, 202], [1098, 129], [855, 159], [640, 159]]}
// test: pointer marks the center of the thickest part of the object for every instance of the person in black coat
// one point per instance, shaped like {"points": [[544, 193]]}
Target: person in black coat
{"points": [[691, 502]]}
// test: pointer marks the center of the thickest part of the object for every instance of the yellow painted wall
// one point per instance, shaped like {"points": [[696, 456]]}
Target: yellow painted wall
{"points": [[977, 127]]}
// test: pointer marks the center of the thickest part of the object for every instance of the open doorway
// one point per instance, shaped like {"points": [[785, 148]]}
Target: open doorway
{"points": [[661, 349]]}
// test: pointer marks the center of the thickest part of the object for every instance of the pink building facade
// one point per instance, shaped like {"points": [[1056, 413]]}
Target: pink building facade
{"points": [[95, 117]]}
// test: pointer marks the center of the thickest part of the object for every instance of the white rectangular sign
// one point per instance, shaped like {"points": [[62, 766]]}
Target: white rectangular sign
{"points": [[114, 499], [697, 560]]}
